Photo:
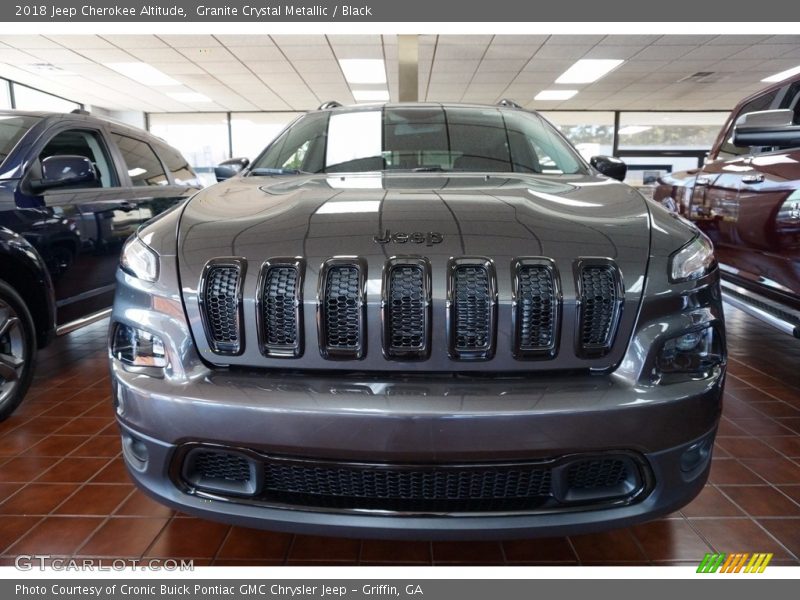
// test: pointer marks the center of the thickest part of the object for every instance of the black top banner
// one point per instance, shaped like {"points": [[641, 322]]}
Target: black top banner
{"points": [[438, 11]]}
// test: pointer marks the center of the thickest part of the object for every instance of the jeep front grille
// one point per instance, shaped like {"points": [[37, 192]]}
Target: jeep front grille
{"points": [[280, 308], [536, 308], [600, 306], [220, 300], [342, 305], [473, 306], [406, 309]]}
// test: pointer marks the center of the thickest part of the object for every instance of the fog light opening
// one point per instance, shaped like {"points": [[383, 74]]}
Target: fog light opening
{"points": [[135, 451], [694, 354], [138, 348], [696, 456]]}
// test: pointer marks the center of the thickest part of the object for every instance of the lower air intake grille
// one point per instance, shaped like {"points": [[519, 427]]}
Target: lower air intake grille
{"points": [[220, 299], [601, 303], [601, 473], [280, 308], [407, 307], [473, 306], [476, 487], [221, 465], [537, 310], [342, 326]]}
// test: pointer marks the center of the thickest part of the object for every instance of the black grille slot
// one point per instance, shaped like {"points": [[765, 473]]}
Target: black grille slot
{"points": [[472, 309], [489, 488], [601, 303], [599, 473], [281, 303], [220, 299], [221, 465], [406, 305], [537, 309], [342, 306]]}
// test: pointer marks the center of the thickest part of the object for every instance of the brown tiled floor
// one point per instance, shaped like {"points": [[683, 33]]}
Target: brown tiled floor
{"points": [[64, 492]]}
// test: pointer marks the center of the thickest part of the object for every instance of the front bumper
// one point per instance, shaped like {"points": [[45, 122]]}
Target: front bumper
{"points": [[441, 420]]}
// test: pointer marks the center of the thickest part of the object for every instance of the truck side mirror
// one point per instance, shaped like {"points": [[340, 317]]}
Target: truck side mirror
{"points": [[63, 170], [610, 166]]}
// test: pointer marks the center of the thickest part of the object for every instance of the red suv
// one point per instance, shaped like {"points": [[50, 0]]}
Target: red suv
{"points": [[747, 200]]}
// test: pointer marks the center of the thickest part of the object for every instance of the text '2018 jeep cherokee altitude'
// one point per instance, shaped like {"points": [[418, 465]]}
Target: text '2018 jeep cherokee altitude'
{"points": [[419, 321]]}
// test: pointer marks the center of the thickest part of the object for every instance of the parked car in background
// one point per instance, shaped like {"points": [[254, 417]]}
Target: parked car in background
{"points": [[746, 198], [420, 321], [73, 188]]}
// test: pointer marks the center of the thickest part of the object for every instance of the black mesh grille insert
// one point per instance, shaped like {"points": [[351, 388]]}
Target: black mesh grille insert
{"points": [[342, 308], [406, 305], [408, 488], [221, 305], [599, 473], [599, 306], [220, 465], [536, 306], [280, 314], [473, 305]]}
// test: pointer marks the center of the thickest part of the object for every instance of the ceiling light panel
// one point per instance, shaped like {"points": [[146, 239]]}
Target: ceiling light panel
{"points": [[363, 70], [142, 73], [589, 70]]}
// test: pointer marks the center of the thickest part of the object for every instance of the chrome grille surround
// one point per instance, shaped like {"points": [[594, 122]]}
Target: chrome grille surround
{"points": [[600, 297], [220, 299], [471, 308], [536, 308], [341, 308]]}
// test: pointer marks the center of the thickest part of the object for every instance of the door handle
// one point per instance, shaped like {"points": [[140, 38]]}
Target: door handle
{"points": [[757, 178]]}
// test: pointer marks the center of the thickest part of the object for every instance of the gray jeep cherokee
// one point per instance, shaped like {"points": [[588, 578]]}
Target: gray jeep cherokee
{"points": [[419, 321]]}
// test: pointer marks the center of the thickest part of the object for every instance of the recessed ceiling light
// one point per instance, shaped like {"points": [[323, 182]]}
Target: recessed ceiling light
{"points": [[555, 94], [188, 97], [588, 70], [633, 129], [143, 73], [783, 74], [363, 70], [371, 95]]}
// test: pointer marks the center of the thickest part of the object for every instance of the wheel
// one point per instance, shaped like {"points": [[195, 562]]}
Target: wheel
{"points": [[17, 349]]}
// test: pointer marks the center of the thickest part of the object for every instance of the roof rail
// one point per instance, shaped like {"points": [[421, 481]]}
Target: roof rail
{"points": [[79, 111], [329, 104], [507, 102]]}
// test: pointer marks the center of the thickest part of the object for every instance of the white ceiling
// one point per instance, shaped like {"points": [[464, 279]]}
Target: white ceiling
{"points": [[298, 72]]}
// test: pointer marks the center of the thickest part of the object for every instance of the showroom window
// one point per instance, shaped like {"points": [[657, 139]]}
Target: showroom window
{"points": [[144, 167], [591, 132], [201, 137], [664, 130], [252, 132], [26, 98]]}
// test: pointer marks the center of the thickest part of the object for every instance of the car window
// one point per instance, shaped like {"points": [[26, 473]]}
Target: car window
{"points": [[81, 142], [426, 138], [12, 128], [728, 149], [182, 173], [144, 167]]}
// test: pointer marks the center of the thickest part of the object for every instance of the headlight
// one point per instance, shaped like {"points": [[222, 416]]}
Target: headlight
{"points": [[139, 260], [138, 348], [692, 261]]}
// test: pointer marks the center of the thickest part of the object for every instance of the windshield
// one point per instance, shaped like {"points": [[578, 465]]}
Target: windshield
{"points": [[419, 139], [12, 128]]}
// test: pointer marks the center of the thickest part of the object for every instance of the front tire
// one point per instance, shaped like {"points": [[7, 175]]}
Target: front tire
{"points": [[17, 349]]}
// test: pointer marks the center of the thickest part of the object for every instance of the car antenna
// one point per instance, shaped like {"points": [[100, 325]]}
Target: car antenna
{"points": [[79, 111], [329, 104], [507, 102]]}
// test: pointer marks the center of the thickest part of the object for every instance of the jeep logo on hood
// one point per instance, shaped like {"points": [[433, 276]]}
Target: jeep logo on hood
{"points": [[416, 237]]}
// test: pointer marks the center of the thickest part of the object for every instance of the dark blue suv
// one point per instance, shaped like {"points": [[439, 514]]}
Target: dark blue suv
{"points": [[72, 189]]}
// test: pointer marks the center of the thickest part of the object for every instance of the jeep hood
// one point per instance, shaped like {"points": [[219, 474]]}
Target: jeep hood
{"points": [[497, 216]]}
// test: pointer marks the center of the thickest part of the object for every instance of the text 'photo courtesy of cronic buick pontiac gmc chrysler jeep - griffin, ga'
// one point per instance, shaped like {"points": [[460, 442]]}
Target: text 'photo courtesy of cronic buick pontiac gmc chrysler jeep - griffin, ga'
{"points": [[73, 188], [419, 321]]}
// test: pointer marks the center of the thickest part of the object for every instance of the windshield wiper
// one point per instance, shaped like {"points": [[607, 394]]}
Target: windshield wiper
{"points": [[271, 172]]}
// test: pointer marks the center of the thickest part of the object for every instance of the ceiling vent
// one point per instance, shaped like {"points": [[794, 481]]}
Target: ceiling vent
{"points": [[701, 77]]}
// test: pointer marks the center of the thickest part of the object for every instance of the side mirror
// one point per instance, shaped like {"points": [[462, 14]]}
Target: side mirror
{"points": [[228, 168], [63, 170], [610, 166], [767, 128]]}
